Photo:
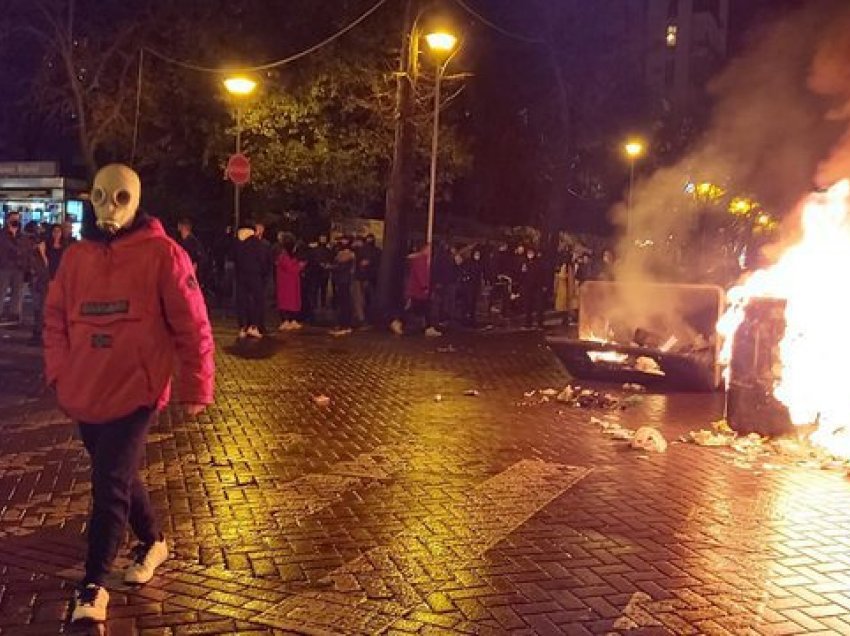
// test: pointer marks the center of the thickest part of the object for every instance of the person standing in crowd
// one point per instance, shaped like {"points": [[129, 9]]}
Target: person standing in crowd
{"points": [[189, 242], [370, 261], [360, 282], [118, 322], [471, 282], [15, 258], [325, 258], [55, 247], [417, 294], [313, 274], [288, 283], [39, 277], [342, 277], [444, 283], [251, 264], [68, 233], [533, 286]]}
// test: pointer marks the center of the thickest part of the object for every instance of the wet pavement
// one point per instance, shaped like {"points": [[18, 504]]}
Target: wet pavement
{"points": [[390, 510]]}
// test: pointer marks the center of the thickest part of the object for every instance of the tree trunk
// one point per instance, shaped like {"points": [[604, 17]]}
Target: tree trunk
{"points": [[400, 189]]}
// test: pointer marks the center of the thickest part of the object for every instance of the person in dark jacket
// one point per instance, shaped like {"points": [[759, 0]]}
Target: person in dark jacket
{"points": [[325, 258], [533, 286], [39, 277], [251, 258], [471, 282], [445, 273], [15, 260], [342, 277]]}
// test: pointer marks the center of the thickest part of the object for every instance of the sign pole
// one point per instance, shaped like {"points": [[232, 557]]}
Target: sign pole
{"points": [[236, 186]]}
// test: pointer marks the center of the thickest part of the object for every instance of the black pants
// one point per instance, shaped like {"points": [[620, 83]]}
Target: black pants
{"points": [[250, 302], [38, 287], [469, 297], [533, 301], [116, 450], [343, 303], [418, 311], [310, 298], [323, 289]]}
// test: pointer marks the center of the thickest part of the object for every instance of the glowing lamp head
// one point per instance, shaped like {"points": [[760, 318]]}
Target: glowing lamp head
{"points": [[441, 42], [240, 85], [634, 149]]}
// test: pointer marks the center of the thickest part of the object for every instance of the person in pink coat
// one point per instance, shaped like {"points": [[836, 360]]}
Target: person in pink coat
{"points": [[289, 270]]}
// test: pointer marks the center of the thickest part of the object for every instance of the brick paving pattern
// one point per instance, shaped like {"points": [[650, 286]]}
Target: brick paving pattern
{"points": [[390, 511]]}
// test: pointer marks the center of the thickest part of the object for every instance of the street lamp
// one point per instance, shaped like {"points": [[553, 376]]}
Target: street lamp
{"points": [[443, 45], [634, 148], [240, 87]]}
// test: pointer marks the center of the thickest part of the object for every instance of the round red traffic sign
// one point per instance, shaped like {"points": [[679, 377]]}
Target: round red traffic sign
{"points": [[239, 169]]}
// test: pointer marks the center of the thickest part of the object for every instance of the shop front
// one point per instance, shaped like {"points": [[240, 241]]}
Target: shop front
{"points": [[38, 191]]}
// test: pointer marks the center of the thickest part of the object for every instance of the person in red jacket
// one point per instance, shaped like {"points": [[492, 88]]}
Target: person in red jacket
{"points": [[124, 312]]}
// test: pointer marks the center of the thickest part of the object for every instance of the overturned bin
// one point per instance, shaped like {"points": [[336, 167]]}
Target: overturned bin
{"points": [[660, 335]]}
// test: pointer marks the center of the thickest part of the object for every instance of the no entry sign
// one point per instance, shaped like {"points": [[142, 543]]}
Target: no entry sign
{"points": [[238, 169]]}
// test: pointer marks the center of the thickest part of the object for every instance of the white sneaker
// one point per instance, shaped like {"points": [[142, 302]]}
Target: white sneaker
{"points": [[285, 326], [342, 331], [295, 325], [254, 332], [243, 334], [90, 604], [397, 327], [146, 559], [433, 333]]}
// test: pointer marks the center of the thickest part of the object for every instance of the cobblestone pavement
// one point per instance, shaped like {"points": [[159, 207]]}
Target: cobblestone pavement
{"points": [[391, 511]]}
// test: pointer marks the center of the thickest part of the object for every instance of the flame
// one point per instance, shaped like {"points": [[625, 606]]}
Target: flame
{"points": [[607, 356], [815, 350]]}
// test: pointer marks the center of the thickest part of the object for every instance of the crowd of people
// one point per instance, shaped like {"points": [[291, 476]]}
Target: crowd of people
{"points": [[319, 280], [29, 256], [316, 280]]}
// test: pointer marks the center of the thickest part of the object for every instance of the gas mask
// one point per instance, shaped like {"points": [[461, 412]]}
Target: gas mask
{"points": [[115, 196]]}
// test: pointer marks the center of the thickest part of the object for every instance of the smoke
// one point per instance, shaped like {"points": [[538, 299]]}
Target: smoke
{"points": [[780, 125]]}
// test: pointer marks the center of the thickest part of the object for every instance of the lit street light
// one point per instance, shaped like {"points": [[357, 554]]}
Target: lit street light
{"points": [[239, 87], [442, 45], [634, 149]]}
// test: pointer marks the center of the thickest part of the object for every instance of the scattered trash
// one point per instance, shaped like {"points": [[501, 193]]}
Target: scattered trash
{"points": [[471, 393], [438, 398], [632, 386], [322, 400], [529, 394], [566, 395], [649, 439], [645, 364], [549, 392], [447, 349], [705, 437]]}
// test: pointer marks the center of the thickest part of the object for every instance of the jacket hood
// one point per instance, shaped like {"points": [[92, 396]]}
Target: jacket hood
{"points": [[244, 233], [143, 226]]}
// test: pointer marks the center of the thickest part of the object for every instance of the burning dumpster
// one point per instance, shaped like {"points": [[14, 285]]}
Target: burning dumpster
{"points": [[655, 334]]}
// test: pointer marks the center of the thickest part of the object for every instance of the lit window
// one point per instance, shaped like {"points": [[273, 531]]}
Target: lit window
{"points": [[672, 35]]}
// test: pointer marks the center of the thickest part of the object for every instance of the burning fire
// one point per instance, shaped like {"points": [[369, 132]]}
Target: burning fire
{"points": [[608, 356], [814, 353]]}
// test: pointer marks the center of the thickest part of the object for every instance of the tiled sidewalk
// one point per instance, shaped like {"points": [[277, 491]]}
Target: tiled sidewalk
{"points": [[392, 511]]}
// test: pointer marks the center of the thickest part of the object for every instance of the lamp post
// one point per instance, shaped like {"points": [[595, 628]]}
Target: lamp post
{"points": [[240, 87], [442, 45], [634, 149]]}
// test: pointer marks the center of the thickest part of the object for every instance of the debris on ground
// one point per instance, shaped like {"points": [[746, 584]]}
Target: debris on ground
{"points": [[578, 397], [634, 387], [471, 393], [447, 349], [706, 437], [649, 438], [322, 400], [645, 364], [438, 398]]}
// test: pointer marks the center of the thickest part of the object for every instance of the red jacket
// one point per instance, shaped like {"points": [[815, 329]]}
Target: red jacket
{"points": [[289, 282], [418, 278], [119, 317]]}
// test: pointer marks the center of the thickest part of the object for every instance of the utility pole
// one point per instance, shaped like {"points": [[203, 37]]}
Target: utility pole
{"points": [[400, 190]]}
